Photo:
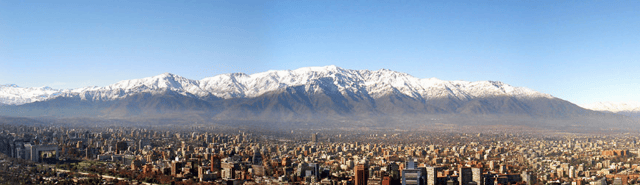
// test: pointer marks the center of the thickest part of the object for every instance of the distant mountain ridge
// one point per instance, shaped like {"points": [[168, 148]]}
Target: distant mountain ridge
{"points": [[239, 85], [320, 96], [630, 108], [613, 106], [11, 94]]}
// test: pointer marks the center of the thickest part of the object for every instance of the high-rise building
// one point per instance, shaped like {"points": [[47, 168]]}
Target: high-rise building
{"points": [[394, 173], [412, 175], [527, 177], [215, 163], [228, 171], [142, 143], [432, 175], [175, 167], [465, 175], [121, 146], [571, 172], [314, 137], [477, 176], [362, 175], [257, 157], [200, 172]]}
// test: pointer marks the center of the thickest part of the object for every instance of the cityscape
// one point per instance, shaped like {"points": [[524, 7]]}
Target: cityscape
{"points": [[206, 155]]}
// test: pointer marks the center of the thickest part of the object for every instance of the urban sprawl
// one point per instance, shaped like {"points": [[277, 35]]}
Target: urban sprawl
{"points": [[209, 155]]}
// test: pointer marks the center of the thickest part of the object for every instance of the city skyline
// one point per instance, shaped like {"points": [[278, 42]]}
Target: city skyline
{"points": [[216, 155]]}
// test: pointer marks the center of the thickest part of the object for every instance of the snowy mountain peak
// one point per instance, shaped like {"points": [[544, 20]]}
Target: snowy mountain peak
{"points": [[384, 70], [324, 79], [165, 75], [237, 74]]}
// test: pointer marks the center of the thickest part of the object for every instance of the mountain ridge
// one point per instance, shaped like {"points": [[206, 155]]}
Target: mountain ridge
{"points": [[239, 85], [613, 106], [628, 108]]}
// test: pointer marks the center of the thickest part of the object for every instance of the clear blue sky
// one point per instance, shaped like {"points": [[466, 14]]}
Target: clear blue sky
{"points": [[581, 51]]}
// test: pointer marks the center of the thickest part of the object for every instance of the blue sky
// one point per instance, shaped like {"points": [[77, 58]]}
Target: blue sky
{"points": [[581, 51]]}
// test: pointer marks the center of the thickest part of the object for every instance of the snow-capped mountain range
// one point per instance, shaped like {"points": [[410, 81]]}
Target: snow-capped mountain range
{"points": [[13, 95], [326, 96], [373, 84], [614, 107]]}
